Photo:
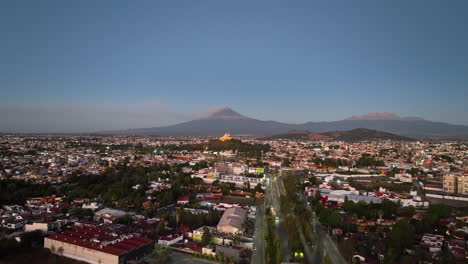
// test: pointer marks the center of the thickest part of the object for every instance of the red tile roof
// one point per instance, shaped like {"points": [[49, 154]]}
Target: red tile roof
{"points": [[100, 239]]}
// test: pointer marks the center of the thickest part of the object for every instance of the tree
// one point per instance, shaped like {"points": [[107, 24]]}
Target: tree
{"points": [[347, 247], [206, 237], [124, 220], [258, 188], [318, 196], [407, 211], [161, 253], [235, 239], [178, 213], [161, 227], [334, 219], [389, 208], [247, 225], [437, 211], [31, 239], [366, 160], [313, 180], [401, 237], [380, 213], [81, 213], [247, 185]]}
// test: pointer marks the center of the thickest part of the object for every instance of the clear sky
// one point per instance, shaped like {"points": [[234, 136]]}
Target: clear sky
{"points": [[92, 65]]}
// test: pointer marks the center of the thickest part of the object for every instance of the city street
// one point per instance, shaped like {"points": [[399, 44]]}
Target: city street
{"points": [[259, 237], [324, 243]]}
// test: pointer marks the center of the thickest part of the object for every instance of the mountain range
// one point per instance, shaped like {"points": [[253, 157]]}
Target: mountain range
{"points": [[357, 134], [222, 120]]}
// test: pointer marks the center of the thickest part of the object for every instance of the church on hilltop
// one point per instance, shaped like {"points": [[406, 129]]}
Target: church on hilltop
{"points": [[226, 136]]}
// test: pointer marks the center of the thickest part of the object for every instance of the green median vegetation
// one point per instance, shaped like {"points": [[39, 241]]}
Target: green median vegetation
{"points": [[272, 244], [296, 218]]}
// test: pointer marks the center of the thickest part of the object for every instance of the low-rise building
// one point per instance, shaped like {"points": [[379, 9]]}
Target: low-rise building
{"points": [[198, 233], [432, 242], [170, 239], [232, 220], [209, 250], [96, 244], [183, 199], [108, 215], [44, 227], [13, 224]]}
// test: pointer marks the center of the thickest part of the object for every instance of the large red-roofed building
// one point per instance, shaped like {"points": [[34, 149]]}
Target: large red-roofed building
{"points": [[96, 244]]}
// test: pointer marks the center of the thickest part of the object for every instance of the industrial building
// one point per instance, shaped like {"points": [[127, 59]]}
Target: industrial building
{"points": [[96, 244], [232, 220]]}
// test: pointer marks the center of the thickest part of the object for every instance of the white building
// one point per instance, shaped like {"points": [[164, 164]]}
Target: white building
{"points": [[404, 177], [434, 242], [170, 239], [43, 227], [108, 214], [238, 180]]}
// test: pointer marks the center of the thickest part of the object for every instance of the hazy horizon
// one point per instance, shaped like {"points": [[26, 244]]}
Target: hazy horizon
{"points": [[114, 118], [90, 66]]}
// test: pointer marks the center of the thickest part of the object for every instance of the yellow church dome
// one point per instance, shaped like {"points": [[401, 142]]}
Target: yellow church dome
{"points": [[226, 136]]}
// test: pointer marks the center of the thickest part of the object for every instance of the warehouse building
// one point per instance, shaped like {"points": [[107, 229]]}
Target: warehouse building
{"points": [[232, 220], [96, 244]]}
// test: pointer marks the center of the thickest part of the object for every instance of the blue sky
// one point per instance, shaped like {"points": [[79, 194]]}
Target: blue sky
{"points": [[93, 65]]}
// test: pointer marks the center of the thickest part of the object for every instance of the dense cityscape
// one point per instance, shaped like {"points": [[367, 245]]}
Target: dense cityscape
{"points": [[236, 132], [113, 199]]}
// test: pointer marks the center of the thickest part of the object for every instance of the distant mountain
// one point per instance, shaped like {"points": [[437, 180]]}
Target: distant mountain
{"points": [[407, 128], [224, 120], [224, 113], [299, 135], [358, 134], [382, 116]]}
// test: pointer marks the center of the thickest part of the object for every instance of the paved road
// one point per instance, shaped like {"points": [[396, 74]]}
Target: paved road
{"points": [[259, 236], [419, 188], [324, 243]]}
